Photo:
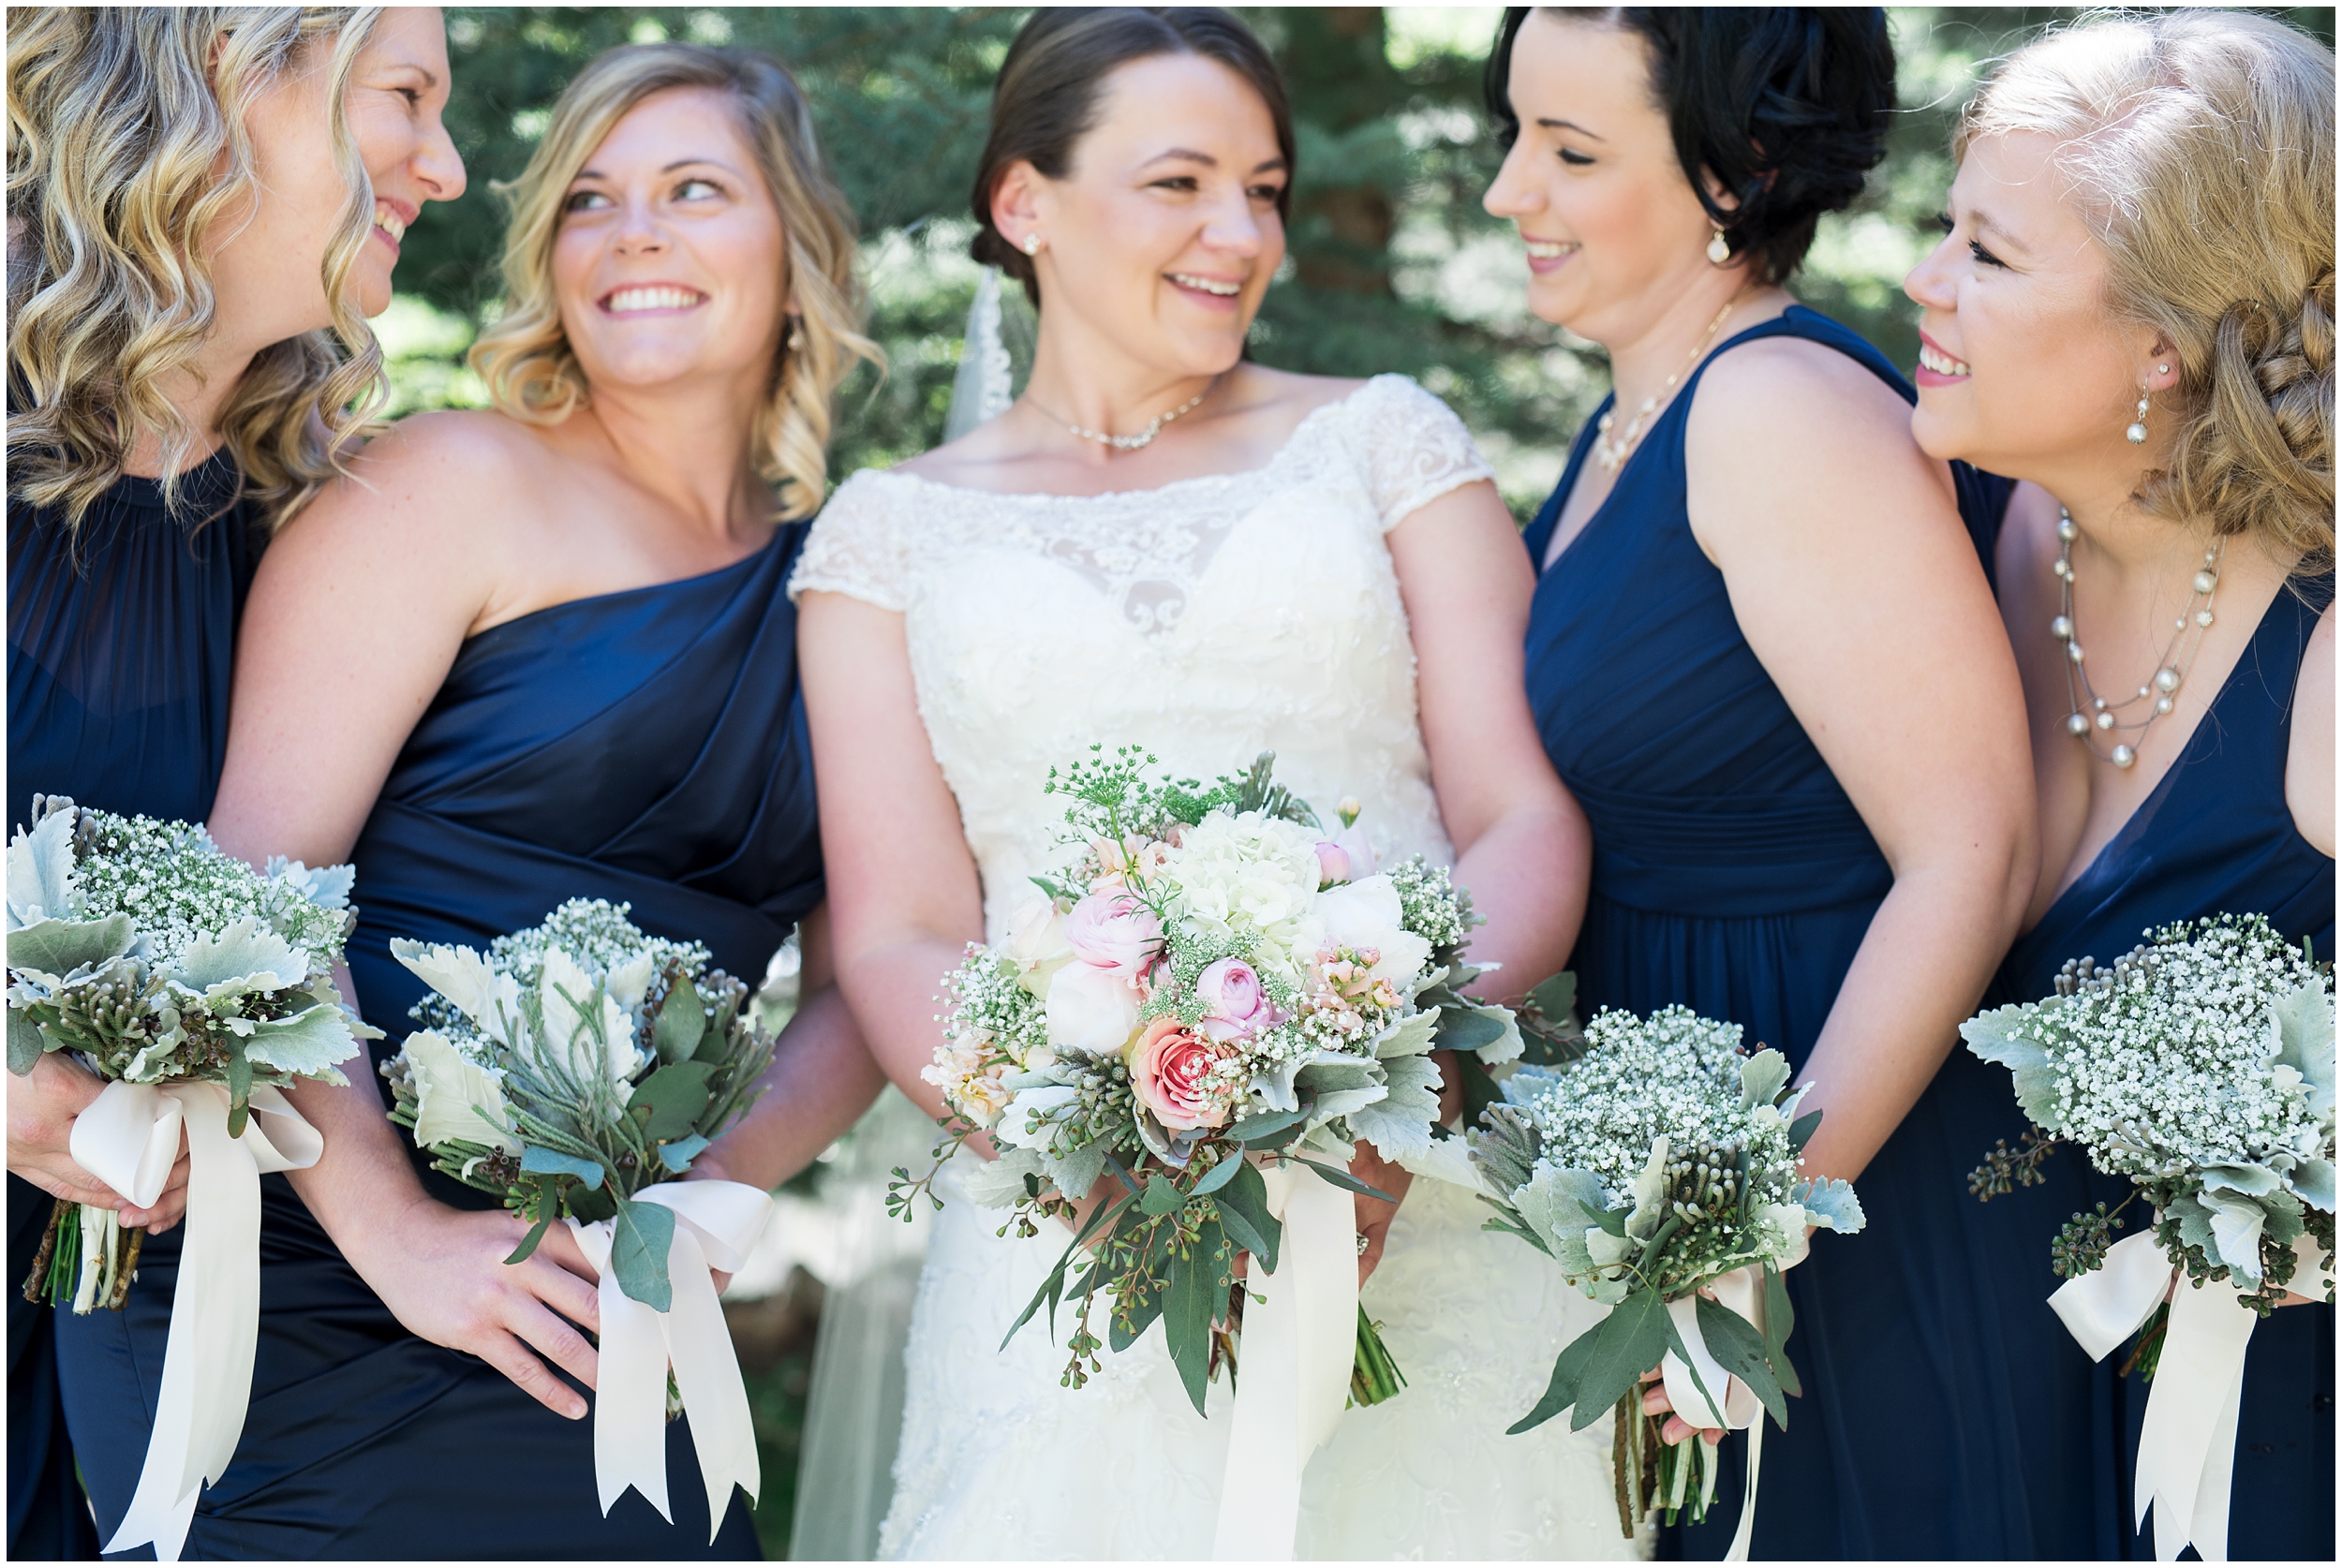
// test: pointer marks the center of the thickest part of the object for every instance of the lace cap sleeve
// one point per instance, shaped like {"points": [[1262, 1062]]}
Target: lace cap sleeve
{"points": [[1414, 447], [856, 547]]}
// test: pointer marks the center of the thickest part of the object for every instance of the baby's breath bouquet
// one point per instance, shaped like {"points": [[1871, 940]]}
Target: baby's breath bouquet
{"points": [[2199, 1065], [1658, 1167], [156, 958], [1213, 993], [575, 1063]]}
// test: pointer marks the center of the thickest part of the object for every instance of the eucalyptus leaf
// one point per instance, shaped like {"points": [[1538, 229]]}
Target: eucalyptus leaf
{"points": [[1253, 1130], [26, 1043], [1243, 1206], [1560, 1391], [1160, 1196], [1739, 1349], [641, 1236], [239, 1086], [1216, 1178], [1189, 1305], [667, 1103], [681, 1020], [1470, 1029], [1556, 996], [1631, 1342], [546, 1162], [677, 1156]]}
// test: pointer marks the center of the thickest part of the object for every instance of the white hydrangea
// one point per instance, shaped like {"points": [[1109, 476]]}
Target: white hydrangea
{"points": [[1252, 873]]}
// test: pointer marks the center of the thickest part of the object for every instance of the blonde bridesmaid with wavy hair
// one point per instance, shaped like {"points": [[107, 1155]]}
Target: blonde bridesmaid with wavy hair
{"points": [[2132, 312], [204, 204], [561, 665]]}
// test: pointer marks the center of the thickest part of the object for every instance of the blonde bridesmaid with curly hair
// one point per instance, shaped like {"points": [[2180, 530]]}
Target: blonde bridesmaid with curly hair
{"points": [[204, 204], [556, 662]]}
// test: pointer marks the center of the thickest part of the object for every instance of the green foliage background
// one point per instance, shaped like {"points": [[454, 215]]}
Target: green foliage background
{"points": [[1394, 266]]}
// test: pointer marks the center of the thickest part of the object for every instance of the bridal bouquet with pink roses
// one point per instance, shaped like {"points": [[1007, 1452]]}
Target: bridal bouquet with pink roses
{"points": [[1215, 996]]}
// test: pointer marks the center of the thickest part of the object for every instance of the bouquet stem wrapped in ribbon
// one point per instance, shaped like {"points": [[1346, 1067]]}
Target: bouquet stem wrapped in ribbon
{"points": [[575, 1071], [1658, 1167], [1207, 1006], [2199, 1065], [197, 988]]}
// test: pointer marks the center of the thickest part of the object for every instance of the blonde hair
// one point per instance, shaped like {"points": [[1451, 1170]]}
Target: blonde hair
{"points": [[2200, 148], [526, 358], [117, 120]]}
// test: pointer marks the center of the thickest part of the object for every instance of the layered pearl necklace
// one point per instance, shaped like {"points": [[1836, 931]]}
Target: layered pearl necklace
{"points": [[2093, 712], [1128, 443], [1612, 450]]}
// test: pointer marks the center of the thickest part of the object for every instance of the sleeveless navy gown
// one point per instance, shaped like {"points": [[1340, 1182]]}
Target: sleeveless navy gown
{"points": [[1732, 874], [121, 649], [2215, 836], [645, 747]]}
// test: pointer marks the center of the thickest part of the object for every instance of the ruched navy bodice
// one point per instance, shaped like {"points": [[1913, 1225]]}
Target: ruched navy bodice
{"points": [[646, 747], [2215, 836], [121, 642], [1733, 875]]}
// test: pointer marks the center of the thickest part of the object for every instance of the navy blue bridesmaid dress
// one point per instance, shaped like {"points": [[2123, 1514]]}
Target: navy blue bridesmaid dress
{"points": [[1732, 874], [645, 747], [2215, 838], [121, 648]]}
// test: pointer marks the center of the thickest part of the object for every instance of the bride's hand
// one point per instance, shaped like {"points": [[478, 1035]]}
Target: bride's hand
{"points": [[442, 1274], [1676, 1430], [1375, 1215]]}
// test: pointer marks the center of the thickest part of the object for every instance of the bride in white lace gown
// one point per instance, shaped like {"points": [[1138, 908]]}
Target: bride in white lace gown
{"points": [[1285, 568]]}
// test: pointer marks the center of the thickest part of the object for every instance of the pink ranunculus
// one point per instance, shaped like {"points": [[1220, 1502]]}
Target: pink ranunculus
{"points": [[1172, 1075], [1235, 1006], [1333, 862], [1114, 931]]}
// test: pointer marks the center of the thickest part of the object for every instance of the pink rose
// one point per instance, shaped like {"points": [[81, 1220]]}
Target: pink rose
{"points": [[1235, 1006], [1172, 1075], [1347, 857], [1114, 931], [1333, 863]]}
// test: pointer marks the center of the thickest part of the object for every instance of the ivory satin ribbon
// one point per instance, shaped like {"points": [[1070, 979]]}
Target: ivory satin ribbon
{"points": [[128, 1138], [2187, 1446], [1741, 1292], [716, 1222], [1299, 1344]]}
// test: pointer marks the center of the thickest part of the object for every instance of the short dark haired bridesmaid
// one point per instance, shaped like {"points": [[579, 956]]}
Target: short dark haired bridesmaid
{"points": [[2132, 310], [1764, 656], [191, 262]]}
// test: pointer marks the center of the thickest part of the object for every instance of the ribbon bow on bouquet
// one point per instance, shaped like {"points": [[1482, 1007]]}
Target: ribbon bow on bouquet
{"points": [[128, 1138], [709, 1225]]}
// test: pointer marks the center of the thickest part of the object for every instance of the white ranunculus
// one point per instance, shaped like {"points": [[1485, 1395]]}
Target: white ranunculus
{"points": [[1090, 1009], [1036, 943], [451, 1092], [1367, 914]]}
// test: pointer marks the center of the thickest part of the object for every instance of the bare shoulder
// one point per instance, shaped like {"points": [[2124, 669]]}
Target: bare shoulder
{"points": [[1794, 390], [2309, 764], [1260, 391]]}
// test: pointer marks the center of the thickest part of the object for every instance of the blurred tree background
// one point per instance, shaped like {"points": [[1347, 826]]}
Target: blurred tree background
{"points": [[1393, 265]]}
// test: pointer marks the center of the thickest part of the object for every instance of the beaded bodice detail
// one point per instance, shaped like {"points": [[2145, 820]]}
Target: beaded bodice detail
{"points": [[1208, 620]]}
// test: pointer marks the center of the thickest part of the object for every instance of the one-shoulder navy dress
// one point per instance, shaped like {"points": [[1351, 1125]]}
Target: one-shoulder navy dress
{"points": [[121, 649], [647, 746], [1732, 874], [2215, 838]]}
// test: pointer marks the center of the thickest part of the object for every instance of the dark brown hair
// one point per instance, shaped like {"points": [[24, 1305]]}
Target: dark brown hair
{"points": [[1787, 106], [1046, 96]]}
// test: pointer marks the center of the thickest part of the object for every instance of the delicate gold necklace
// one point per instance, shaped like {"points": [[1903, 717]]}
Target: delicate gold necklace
{"points": [[1609, 451], [2091, 712], [1127, 443]]}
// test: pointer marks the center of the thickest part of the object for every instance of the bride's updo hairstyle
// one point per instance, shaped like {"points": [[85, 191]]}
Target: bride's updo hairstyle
{"points": [[1785, 107], [1047, 95], [526, 358], [2198, 148]]}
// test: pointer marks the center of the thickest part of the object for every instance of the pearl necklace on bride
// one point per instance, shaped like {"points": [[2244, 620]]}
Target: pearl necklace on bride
{"points": [[2171, 670], [1127, 443]]}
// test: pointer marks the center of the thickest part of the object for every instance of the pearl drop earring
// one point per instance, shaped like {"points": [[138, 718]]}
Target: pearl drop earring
{"points": [[2136, 433], [1719, 249], [1031, 246]]}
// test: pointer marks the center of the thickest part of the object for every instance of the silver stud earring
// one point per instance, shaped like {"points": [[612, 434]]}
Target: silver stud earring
{"points": [[2136, 433], [2163, 370], [1719, 248], [1031, 246]]}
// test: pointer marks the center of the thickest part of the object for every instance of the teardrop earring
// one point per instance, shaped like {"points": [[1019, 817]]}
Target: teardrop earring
{"points": [[2136, 433], [796, 333], [1719, 249]]}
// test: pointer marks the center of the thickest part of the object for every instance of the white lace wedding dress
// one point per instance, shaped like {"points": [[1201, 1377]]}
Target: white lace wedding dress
{"points": [[1208, 620]]}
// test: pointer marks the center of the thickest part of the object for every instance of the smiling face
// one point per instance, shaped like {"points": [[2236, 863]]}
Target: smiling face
{"points": [[670, 262], [268, 262], [1613, 231], [2021, 370], [1164, 232]]}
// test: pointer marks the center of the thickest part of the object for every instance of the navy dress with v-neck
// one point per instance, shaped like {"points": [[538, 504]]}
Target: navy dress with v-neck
{"points": [[647, 747], [2215, 836], [1732, 874]]}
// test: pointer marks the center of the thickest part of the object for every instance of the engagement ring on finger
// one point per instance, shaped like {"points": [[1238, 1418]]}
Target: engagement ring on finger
{"points": [[1362, 1247]]}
